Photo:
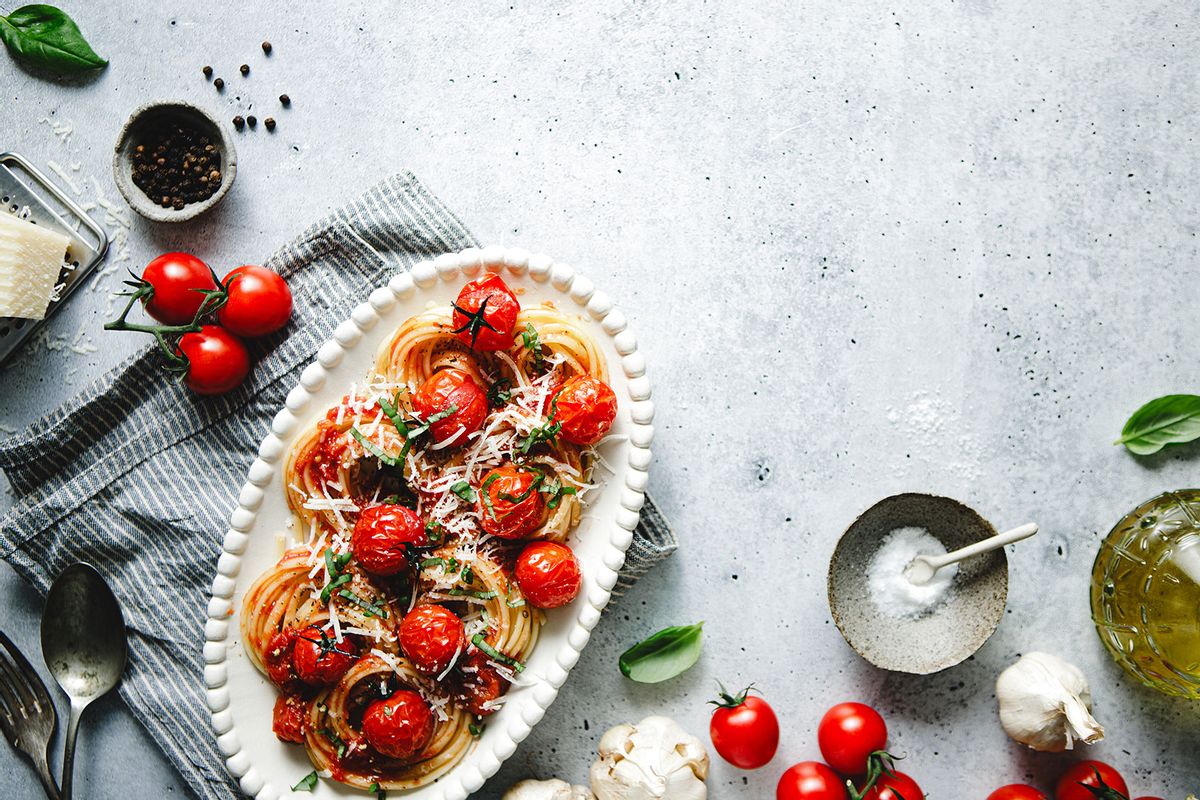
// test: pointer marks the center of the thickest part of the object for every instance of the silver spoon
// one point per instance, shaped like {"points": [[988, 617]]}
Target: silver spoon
{"points": [[84, 644], [921, 569]]}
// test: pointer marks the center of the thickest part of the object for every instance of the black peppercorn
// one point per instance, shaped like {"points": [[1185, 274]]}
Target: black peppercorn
{"points": [[270, 123], [267, 47], [207, 71], [219, 83], [238, 122], [285, 100], [244, 69], [251, 120]]}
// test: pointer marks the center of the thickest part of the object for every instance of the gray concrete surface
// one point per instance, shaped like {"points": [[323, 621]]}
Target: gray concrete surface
{"points": [[868, 247]]}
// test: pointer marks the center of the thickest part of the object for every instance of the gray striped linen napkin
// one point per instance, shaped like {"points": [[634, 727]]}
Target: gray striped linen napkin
{"points": [[138, 476]]}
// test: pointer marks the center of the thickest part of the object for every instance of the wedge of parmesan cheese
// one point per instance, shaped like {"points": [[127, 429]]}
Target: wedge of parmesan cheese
{"points": [[31, 259]]}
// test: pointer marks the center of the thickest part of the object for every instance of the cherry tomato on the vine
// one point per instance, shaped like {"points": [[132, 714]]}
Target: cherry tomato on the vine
{"points": [[744, 729], [510, 505], [447, 389], [399, 727], [485, 313], [894, 786], [431, 636], [1017, 791], [1072, 784], [320, 659], [177, 285], [259, 301], [382, 535], [548, 574], [848, 734], [586, 408], [810, 780], [217, 360]]}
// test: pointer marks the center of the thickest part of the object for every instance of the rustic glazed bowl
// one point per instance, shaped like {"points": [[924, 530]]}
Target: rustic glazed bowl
{"points": [[953, 630]]}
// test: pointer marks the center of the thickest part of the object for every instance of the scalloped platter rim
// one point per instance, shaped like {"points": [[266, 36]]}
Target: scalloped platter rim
{"points": [[240, 699]]}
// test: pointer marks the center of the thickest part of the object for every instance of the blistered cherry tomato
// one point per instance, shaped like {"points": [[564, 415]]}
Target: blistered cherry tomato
{"points": [[510, 505], [848, 734], [1073, 783], [217, 360], [810, 780], [177, 283], [479, 684], [259, 301], [485, 313], [586, 407], [288, 721], [548, 574], [320, 660], [277, 659], [399, 727], [1016, 791], [448, 388], [744, 730], [896, 786], [382, 535], [431, 636]]}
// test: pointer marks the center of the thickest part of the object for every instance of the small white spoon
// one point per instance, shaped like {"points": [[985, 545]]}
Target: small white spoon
{"points": [[921, 569]]}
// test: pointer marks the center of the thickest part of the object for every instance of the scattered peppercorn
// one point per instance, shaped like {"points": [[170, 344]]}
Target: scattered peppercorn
{"points": [[270, 123], [238, 122], [285, 100], [244, 69], [219, 83], [175, 164], [267, 48], [207, 71], [251, 120]]}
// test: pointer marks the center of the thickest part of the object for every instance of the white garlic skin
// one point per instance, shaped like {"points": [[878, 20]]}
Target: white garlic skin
{"points": [[552, 789], [1045, 704], [655, 759]]}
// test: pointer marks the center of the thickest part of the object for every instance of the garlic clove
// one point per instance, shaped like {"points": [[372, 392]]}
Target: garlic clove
{"points": [[1045, 704]]}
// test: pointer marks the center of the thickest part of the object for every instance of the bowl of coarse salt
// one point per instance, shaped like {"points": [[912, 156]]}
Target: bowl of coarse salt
{"points": [[900, 625]]}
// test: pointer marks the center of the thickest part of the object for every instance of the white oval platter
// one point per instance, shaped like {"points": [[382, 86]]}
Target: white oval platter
{"points": [[241, 699]]}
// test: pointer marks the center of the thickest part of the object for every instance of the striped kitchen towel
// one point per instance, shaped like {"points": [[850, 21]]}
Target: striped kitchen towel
{"points": [[138, 476]]}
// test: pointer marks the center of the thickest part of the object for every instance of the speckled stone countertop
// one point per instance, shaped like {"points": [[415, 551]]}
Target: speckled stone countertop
{"points": [[867, 249]]}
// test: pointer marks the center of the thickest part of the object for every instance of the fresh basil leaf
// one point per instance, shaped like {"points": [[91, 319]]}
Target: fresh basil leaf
{"points": [[307, 783], [1173, 419], [46, 37], [670, 652]]}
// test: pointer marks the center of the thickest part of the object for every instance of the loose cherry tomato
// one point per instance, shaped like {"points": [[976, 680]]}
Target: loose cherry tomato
{"points": [[1147, 797], [548, 574], [1072, 784], [382, 535], [479, 684], [320, 659], [586, 408], [1017, 791], [177, 285], [259, 301], [277, 659], [447, 388], [810, 780], [431, 636], [485, 313], [848, 734], [217, 360], [896, 786], [288, 721], [510, 505], [399, 727], [744, 729]]}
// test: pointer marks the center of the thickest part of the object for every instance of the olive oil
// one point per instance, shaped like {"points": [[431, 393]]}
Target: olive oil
{"points": [[1146, 593]]}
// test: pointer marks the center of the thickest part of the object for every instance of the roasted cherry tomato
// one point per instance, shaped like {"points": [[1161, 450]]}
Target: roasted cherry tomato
{"points": [[431, 636], [485, 313], [586, 409], [258, 302], [548, 574], [510, 505], [810, 780], [176, 286], [479, 684], [448, 388], [1016, 791], [848, 734], [320, 659], [217, 360], [744, 729], [896, 786], [277, 659], [399, 727], [288, 720], [382, 536], [1073, 783]]}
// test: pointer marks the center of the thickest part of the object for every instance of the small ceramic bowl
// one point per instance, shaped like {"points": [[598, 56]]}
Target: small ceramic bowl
{"points": [[952, 631], [130, 137]]}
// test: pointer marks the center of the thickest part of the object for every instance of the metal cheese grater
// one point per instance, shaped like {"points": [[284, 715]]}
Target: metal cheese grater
{"points": [[28, 193]]}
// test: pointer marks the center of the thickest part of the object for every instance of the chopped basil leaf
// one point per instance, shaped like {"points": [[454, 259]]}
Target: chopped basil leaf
{"points": [[471, 593], [307, 783], [479, 641], [433, 531], [499, 393], [464, 490], [374, 450], [515, 603], [476, 729], [433, 562], [371, 609]]}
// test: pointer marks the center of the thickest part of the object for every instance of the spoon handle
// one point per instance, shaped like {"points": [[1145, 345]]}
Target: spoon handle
{"points": [[68, 772], [987, 545]]}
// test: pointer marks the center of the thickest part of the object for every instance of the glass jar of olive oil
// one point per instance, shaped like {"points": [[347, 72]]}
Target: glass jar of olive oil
{"points": [[1146, 593]]}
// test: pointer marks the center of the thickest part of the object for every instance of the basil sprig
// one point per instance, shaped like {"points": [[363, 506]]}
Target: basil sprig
{"points": [[666, 654], [1173, 419], [46, 37]]}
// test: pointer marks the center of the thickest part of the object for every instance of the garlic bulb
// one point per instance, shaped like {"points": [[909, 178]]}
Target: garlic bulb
{"points": [[653, 760], [1045, 704], [552, 789]]}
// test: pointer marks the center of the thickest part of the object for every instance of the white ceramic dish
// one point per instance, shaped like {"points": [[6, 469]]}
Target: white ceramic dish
{"points": [[241, 699]]}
